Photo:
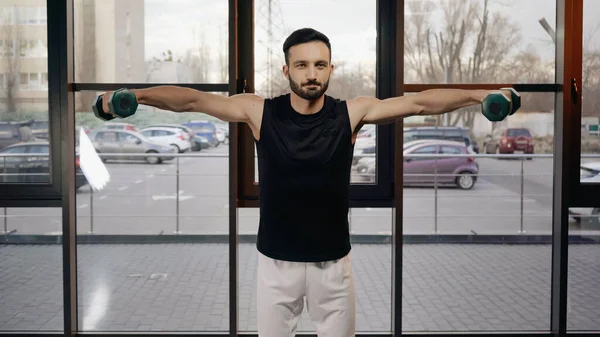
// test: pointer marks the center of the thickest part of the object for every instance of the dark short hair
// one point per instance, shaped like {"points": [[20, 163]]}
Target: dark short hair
{"points": [[304, 35]]}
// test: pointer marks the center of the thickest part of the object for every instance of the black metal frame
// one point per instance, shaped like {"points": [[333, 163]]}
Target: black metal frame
{"points": [[575, 41], [390, 82], [381, 194]]}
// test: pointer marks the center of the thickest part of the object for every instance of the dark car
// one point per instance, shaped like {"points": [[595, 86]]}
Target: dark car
{"points": [[206, 130], [31, 164], [453, 133]]}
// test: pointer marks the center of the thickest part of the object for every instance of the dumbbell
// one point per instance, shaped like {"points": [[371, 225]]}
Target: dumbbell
{"points": [[497, 106], [121, 103]]}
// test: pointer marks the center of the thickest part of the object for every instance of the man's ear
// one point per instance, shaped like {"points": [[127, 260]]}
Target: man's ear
{"points": [[286, 71]]}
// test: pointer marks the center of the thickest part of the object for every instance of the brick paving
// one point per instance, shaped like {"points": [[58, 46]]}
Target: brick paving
{"points": [[184, 287]]}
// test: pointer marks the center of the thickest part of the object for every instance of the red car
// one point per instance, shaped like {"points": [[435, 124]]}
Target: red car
{"points": [[510, 140]]}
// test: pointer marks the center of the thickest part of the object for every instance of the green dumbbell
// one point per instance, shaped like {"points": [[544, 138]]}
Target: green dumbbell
{"points": [[97, 107], [515, 99], [496, 106], [122, 103]]}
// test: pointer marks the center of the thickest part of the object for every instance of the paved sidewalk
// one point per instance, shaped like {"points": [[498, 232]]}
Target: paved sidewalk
{"points": [[184, 287]]}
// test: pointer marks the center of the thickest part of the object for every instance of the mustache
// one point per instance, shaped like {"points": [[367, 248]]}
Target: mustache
{"points": [[311, 83]]}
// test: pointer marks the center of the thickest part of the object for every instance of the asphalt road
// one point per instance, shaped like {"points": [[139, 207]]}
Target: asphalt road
{"points": [[141, 199]]}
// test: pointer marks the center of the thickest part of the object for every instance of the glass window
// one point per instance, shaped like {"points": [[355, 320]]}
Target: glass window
{"points": [[590, 87], [39, 149], [455, 285], [583, 313], [22, 101], [518, 132], [352, 32], [152, 41], [142, 286], [449, 150], [32, 275], [449, 41]]}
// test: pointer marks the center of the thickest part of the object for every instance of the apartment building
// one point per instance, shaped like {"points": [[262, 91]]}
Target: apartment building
{"points": [[109, 47]]}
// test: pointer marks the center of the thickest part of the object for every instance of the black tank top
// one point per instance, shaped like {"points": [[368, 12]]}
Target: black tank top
{"points": [[304, 166]]}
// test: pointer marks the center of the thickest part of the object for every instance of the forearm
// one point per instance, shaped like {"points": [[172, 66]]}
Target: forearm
{"points": [[168, 97], [439, 101]]}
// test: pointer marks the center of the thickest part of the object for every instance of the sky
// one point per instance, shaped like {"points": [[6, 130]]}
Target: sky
{"points": [[350, 24]]}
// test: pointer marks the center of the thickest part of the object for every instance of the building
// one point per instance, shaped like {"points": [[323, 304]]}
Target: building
{"points": [[109, 47]]}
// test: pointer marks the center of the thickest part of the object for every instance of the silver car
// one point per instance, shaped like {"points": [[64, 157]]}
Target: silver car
{"points": [[124, 143]]}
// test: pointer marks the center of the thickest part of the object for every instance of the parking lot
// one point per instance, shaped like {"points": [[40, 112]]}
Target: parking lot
{"points": [[142, 199]]}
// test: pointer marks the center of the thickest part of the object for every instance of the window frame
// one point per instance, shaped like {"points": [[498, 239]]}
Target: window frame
{"points": [[573, 108], [48, 194], [60, 28], [379, 194]]}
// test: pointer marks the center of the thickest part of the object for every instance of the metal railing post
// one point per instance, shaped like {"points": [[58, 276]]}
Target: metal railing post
{"points": [[5, 211], [522, 192], [435, 184], [5, 221], [91, 210], [177, 197]]}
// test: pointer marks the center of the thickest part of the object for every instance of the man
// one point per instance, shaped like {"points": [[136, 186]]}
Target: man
{"points": [[305, 143]]}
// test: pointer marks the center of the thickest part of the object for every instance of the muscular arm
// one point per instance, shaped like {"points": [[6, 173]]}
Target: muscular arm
{"points": [[428, 102], [237, 108]]}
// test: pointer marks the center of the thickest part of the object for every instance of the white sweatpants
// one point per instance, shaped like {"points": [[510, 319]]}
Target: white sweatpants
{"points": [[327, 286]]}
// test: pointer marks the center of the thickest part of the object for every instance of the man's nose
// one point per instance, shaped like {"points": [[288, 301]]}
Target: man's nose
{"points": [[311, 74]]}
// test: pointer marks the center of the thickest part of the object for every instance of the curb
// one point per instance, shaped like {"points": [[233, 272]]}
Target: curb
{"points": [[545, 239]]}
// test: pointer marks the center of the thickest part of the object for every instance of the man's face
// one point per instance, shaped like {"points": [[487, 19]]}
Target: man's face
{"points": [[309, 69]]}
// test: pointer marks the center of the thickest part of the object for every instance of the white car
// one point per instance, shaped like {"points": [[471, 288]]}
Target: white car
{"points": [[589, 173], [174, 137]]}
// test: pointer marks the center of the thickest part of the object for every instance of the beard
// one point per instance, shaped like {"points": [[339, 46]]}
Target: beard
{"points": [[310, 94]]}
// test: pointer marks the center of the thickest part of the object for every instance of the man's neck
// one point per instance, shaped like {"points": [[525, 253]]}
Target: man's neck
{"points": [[306, 107]]}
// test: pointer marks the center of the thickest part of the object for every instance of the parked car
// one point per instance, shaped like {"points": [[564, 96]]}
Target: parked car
{"points": [[13, 133], [29, 168], [459, 171], [127, 142], [206, 129], [198, 142], [224, 130], [509, 140], [119, 126], [443, 133], [39, 128], [168, 136], [587, 217], [365, 143]]}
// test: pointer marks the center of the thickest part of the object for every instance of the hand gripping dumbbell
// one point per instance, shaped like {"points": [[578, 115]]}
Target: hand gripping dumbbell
{"points": [[121, 103], [496, 106]]}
